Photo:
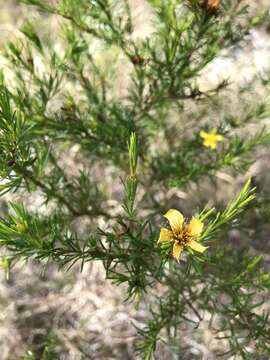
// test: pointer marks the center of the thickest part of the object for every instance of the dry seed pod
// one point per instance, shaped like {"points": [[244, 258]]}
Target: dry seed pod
{"points": [[137, 60], [211, 6]]}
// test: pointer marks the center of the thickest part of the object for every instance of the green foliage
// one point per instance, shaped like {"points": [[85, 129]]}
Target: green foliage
{"points": [[65, 98], [48, 352], [232, 210]]}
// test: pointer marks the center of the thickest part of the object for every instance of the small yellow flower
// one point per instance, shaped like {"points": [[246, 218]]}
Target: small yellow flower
{"points": [[182, 234], [210, 139]]}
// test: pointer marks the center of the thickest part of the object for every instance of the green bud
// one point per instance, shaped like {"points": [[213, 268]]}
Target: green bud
{"points": [[133, 156], [254, 262]]}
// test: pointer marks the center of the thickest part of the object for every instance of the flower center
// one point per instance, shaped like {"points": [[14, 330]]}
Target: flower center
{"points": [[182, 237]]}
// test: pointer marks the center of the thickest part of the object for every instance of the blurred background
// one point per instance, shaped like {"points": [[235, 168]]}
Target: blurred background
{"points": [[81, 313]]}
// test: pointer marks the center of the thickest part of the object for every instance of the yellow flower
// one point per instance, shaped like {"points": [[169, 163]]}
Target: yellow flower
{"points": [[182, 234], [210, 139]]}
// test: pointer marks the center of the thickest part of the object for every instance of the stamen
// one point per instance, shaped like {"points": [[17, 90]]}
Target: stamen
{"points": [[182, 238]]}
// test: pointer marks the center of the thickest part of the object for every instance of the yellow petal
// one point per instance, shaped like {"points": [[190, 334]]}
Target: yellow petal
{"points": [[165, 235], [219, 137], [195, 227], [196, 246], [177, 249], [175, 219], [213, 145], [203, 134], [210, 143]]}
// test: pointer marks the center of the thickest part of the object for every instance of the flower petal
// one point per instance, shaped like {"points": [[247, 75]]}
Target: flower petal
{"points": [[197, 246], [177, 249], [219, 137], [175, 219], [195, 227], [212, 144], [203, 134], [210, 141], [165, 235]]}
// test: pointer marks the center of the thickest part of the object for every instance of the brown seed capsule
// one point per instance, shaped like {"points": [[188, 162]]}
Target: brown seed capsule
{"points": [[11, 162], [211, 6], [30, 62], [137, 60]]}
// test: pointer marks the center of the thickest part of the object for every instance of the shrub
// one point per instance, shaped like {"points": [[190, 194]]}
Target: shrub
{"points": [[162, 131]]}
